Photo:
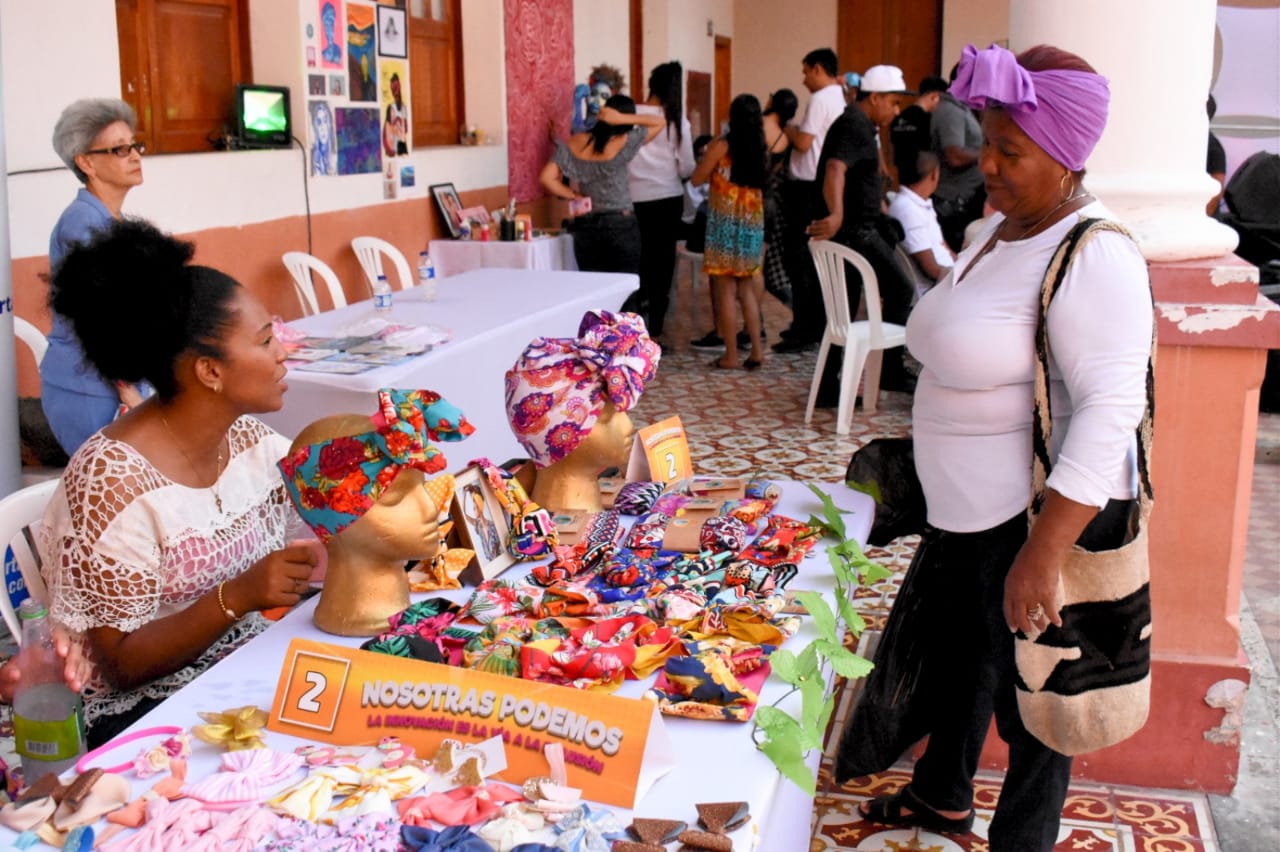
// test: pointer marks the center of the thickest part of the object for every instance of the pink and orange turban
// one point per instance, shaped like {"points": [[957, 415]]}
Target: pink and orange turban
{"points": [[333, 483], [558, 387], [1062, 111]]}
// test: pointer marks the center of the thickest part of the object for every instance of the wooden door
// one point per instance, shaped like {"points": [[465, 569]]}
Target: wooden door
{"points": [[180, 61], [435, 72], [906, 33], [723, 82]]}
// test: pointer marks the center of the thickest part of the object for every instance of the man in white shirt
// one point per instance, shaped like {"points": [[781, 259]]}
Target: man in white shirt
{"points": [[913, 208], [801, 194]]}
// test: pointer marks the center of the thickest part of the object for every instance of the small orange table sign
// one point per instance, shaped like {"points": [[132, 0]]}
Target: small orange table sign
{"points": [[660, 453]]}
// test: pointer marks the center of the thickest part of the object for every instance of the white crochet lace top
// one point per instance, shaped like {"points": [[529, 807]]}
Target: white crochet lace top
{"points": [[122, 545]]}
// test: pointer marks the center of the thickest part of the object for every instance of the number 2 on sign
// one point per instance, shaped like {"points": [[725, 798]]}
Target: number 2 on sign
{"points": [[308, 701], [672, 472], [313, 692]]}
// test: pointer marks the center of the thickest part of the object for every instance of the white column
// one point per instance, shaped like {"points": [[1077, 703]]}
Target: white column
{"points": [[10, 451], [1149, 167]]}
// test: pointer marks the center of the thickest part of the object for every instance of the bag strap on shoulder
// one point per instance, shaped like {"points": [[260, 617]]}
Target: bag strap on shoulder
{"points": [[1042, 421]]}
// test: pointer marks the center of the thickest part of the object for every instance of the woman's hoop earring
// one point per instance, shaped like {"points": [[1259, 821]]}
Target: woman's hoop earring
{"points": [[1066, 186]]}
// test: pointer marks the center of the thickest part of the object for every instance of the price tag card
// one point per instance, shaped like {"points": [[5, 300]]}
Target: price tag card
{"points": [[615, 748], [661, 453]]}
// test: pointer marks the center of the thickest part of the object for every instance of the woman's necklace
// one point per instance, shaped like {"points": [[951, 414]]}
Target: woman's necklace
{"points": [[1026, 232], [1045, 218], [213, 487]]}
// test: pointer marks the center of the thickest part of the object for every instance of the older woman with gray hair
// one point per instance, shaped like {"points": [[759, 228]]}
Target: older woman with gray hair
{"points": [[95, 138]]}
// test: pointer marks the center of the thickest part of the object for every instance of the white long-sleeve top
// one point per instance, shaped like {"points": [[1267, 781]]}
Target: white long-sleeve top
{"points": [[973, 404], [659, 169]]}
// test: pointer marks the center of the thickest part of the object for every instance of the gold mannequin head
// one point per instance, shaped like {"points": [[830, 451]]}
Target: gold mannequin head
{"points": [[570, 483], [365, 582]]}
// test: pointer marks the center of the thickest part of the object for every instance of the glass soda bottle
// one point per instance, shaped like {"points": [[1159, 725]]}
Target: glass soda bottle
{"points": [[382, 296], [48, 718], [427, 277]]}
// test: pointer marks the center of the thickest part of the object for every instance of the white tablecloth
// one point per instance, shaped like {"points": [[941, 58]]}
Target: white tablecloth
{"points": [[453, 257], [493, 314], [717, 760]]}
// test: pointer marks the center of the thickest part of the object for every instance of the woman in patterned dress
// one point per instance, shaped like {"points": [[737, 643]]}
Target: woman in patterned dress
{"points": [[737, 167]]}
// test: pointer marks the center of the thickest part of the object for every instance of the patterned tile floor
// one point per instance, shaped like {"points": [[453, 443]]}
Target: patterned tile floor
{"points": [[744, 423]]}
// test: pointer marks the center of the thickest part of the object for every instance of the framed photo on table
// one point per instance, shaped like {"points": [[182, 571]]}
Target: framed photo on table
{"points": [[450, 205], [481, 525]]}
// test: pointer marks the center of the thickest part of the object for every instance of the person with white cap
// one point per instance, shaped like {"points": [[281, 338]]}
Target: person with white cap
{"points": [[850, 208]]}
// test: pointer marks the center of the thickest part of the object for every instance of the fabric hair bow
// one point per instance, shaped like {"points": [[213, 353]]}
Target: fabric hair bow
{"points": [[1062, 111], [558, 387], [333, 483]]}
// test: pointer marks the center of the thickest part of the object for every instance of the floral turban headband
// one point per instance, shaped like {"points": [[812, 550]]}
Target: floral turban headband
{"points": [[1062, 111], [333, 483], [557, 389]]}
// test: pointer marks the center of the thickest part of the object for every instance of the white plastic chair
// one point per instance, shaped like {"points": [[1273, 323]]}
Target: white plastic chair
{"points": [[30, 335], [20, 512], [301, 266], [863, 340], [694, 261], [369, 251]]}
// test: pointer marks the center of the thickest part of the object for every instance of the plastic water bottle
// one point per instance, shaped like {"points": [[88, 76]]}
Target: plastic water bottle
{"points": [[427, 277], [48, 718], [382, 296]]}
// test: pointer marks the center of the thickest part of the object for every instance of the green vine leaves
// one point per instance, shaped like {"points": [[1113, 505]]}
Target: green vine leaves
{"points": [[788, 739]]}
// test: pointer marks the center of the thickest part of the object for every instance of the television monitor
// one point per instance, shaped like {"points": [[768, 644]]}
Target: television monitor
{"points": [[262, 116]]}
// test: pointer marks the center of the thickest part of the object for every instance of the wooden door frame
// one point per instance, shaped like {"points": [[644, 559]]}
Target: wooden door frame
{"points": [[638, 92], [718, 117]]}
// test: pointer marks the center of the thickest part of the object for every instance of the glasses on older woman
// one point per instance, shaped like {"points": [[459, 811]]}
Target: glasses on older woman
{"points": [[121, 151]]}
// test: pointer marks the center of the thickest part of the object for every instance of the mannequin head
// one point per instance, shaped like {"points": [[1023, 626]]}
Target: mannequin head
{"points": [[361, 484], [559, 387]]}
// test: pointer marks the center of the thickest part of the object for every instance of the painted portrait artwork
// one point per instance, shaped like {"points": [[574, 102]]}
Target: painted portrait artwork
{"points": [[331, 30]]}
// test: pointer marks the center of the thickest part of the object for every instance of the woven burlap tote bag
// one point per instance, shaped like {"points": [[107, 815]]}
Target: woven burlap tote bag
{"points": [[1087, 684]]}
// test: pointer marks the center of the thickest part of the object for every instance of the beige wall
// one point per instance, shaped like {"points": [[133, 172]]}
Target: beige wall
{"points": [[976, 22], [770, 39], [602, 34]]}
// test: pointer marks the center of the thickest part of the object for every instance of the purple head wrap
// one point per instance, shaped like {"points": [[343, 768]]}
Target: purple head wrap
{"points": [[1064, 112], [558, 388]]}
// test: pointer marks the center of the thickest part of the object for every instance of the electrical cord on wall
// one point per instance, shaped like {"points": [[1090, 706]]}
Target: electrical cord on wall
{"points": [[306, 190]]}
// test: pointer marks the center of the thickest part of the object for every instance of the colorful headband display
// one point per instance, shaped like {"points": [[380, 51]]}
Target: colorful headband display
{"points": [[333, 483], [557, 389], [1062, 111]]}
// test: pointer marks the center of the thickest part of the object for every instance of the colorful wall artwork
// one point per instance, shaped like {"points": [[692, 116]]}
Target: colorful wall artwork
{"points": [[362, 65], [359, 141], [324, 149], [539, 59], [330, 14], [393, 79]]}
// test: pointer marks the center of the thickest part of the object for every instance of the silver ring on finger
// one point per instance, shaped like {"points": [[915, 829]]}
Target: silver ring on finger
{"points": [[1037, 613]]}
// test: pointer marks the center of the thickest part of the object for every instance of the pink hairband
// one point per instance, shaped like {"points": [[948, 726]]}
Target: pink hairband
{"points": [[160, 730]]}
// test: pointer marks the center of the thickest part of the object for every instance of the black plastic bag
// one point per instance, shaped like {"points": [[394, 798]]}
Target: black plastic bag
{"points": [[886, 469], [904, 693]]}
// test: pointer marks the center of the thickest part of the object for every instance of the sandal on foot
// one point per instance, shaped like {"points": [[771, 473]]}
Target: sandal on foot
{"points": [[751, 364], [890, 810], [718, 364]]}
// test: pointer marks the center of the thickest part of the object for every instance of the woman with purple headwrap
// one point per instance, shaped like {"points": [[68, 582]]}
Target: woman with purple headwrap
{"points": [[1042, 113]]}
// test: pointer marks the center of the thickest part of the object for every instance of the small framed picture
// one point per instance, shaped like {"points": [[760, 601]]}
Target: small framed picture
{"points": [[450, 205], [392, 39], [481, 525]]}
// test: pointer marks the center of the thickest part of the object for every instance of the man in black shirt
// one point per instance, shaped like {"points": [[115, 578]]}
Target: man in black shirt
{"points": [[909, 133], [851, 214]]}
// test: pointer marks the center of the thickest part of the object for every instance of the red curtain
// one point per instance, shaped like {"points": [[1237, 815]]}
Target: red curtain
{"points": [[539, 36]]}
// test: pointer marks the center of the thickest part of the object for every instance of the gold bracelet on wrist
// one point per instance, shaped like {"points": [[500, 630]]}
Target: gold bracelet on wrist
{"points": [[227, 611]]}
